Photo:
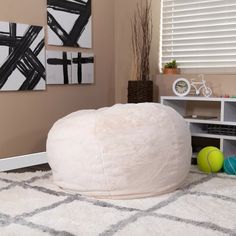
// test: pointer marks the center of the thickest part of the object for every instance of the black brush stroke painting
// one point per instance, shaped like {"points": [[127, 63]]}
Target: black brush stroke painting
{"points": [[21, 68], [78, 15], [79, 60], [58, 61], [61, 64]]}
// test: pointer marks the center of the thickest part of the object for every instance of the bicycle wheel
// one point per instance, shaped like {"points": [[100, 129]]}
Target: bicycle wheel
{"points": [[206, 92]]}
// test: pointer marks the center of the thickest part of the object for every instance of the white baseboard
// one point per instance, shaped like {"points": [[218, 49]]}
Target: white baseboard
{"points": [[17, 162]]}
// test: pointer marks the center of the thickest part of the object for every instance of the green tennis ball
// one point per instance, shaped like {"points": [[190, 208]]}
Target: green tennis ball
{"points": [[210, 159]]}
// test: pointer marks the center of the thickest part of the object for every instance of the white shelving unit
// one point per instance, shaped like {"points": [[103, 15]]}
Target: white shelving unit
{"points": [[206, 116]]}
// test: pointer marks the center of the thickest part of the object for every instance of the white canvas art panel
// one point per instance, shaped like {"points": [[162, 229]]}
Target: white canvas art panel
{"points": [[22, 57], [58, 67], [69, 24], [82, 68], [86, 37]]}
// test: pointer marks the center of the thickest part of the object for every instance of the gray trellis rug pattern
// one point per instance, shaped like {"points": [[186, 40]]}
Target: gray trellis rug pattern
{"points": [[30, 204]]}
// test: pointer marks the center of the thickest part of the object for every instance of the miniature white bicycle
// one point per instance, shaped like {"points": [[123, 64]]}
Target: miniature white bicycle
{"points": [[200, 86]]}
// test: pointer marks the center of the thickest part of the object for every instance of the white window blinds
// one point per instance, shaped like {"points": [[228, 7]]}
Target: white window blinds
{"points": [[199, 34]]}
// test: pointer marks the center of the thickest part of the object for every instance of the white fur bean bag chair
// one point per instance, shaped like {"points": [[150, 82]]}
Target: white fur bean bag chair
{"points": [[124, 151]]}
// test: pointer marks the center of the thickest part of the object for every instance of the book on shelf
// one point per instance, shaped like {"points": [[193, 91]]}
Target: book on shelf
{"points": [[200, 117]]}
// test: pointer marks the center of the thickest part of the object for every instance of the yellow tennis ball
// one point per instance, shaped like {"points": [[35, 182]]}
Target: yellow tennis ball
{"points": [[210, 159]]}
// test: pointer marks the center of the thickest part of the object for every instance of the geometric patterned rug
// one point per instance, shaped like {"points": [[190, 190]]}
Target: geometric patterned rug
{"points": [[31, 205]]}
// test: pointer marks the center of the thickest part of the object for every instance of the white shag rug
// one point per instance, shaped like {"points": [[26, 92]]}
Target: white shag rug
{"points": [[30, 204]]}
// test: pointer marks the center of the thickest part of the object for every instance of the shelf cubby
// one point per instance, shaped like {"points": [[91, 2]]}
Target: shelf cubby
{"points": [[230, 111], [200, 142], [212, 121], [229, 147]]}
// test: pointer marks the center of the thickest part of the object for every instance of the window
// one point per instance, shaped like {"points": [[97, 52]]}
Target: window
{"points": [[199, 34]]}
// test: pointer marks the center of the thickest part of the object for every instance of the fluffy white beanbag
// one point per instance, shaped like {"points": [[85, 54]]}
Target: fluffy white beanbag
{"points": [[124, 151]]}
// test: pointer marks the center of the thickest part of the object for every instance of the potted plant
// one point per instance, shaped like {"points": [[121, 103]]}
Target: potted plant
{"points": [[140, 87], [171, 68]]}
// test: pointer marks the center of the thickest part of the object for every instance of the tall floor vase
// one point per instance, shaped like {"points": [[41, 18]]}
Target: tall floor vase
{"points": [[140, 91]]}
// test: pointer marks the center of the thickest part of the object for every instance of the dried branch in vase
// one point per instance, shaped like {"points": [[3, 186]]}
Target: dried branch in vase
{"points": [[141, 25]]}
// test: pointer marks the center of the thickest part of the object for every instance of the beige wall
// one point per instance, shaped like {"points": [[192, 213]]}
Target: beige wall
{"points": [[221, 84], [26, 117]]}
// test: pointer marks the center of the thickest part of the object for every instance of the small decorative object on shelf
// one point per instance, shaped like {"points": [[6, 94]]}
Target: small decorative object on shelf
{"points": [[181, 87], [171, 68], [200, 86]]}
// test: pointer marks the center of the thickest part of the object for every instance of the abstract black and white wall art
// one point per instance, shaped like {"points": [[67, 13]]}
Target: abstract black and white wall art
{"points": [[82, 68], [22, 57], [58, 67], [69, 23], [70, 67]]}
